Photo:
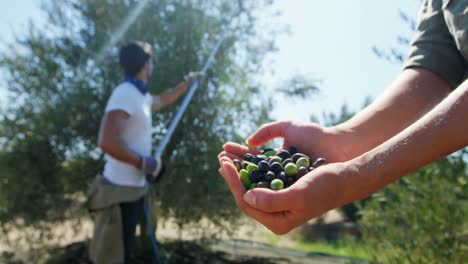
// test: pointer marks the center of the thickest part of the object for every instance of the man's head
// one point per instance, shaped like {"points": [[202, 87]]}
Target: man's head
{"points": [[135, 59]]}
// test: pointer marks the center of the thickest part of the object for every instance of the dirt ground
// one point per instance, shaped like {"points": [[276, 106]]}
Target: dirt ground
{"points": [[249, 244]]}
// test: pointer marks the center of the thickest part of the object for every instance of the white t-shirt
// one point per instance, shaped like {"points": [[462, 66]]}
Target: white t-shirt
{"points": [[137, 134]]}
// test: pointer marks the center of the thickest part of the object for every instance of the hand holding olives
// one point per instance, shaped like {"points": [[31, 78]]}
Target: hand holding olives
{"points": [[274, 169]]}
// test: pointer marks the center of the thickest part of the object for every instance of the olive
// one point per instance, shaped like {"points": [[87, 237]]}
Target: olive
{"points": [[256, 160], [292, 150], [276, 184], [296, 156], [283, 154], [269, 176], [245, 179], [275, 159], [319, 162], [263, 157], [276, 167], [253, 186], [251, 167], [244, 164], [248, 157], [263, 184], [290, 169], [237, 164], [269, 152], [303, 162], [256, 175], [301, 172], [286, 161], [263, 166], [281, 176]]}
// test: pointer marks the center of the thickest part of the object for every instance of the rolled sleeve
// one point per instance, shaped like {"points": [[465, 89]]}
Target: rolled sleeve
{"points": [[434, 48]]}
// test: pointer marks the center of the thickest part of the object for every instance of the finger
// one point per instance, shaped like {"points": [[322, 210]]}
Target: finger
{"points": [[267, 132], [268, 200], [277, 222], [229, 155], [239, 150]]}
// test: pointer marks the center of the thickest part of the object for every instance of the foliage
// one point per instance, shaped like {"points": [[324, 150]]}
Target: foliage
{"points": [[298, 86], [422, 217], [60, 77]]}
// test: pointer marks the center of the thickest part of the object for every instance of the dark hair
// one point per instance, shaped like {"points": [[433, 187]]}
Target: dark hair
{"points": [[133, 56]]}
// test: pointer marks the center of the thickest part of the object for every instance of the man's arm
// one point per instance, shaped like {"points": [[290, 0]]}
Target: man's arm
{"points": [[440, 132], [413, 94], [111, 141], [168, 97]]}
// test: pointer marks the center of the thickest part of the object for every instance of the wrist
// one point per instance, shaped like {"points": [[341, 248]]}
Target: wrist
{"points": [[340, 141], [350, 184], [367, 174]]}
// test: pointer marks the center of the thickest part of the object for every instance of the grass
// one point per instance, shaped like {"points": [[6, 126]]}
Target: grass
{"points": [[346, 247]]}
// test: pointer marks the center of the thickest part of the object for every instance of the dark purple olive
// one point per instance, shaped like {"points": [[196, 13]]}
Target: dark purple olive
{"points": [[319, 162], [263, 184], [263, 166], [286, 161], [248, 157], [244, 164], [283, 154], [301, 172], [292, 150], [256, 175], [281, 176], [276, 167], [256, 160], [269, 176]]}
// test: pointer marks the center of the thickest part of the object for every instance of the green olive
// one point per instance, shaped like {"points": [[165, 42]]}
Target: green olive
{"points": [[303, 162], [251, 167], [245, 179], [290, 169], [275, 159], [276, 184]]}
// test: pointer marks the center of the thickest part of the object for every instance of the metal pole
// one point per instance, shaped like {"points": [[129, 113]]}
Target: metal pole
{"points": [[175, 121]]}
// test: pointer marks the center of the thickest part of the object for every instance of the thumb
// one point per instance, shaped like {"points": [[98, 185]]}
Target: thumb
{"points": [[272, 201], [268, 132]]}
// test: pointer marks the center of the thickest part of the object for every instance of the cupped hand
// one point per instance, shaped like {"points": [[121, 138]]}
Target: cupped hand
{"points": [[280, 211]]}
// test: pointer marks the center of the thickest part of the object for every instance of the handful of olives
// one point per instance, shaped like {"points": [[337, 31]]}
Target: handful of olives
{"points": [[275, 170]]}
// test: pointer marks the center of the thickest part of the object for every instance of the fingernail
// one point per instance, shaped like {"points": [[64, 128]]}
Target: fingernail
{"points": [[250, 198]]}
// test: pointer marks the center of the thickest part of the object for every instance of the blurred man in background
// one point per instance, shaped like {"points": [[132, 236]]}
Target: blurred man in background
{"points": [[117, 196]]}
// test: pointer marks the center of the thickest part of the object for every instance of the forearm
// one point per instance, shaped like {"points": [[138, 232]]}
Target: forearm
{"points": [[118, 149], [412, 95], [440, 132], [168, 97]]}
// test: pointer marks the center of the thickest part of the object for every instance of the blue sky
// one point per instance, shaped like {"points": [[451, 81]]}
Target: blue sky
{"points": [[330, 40]]}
